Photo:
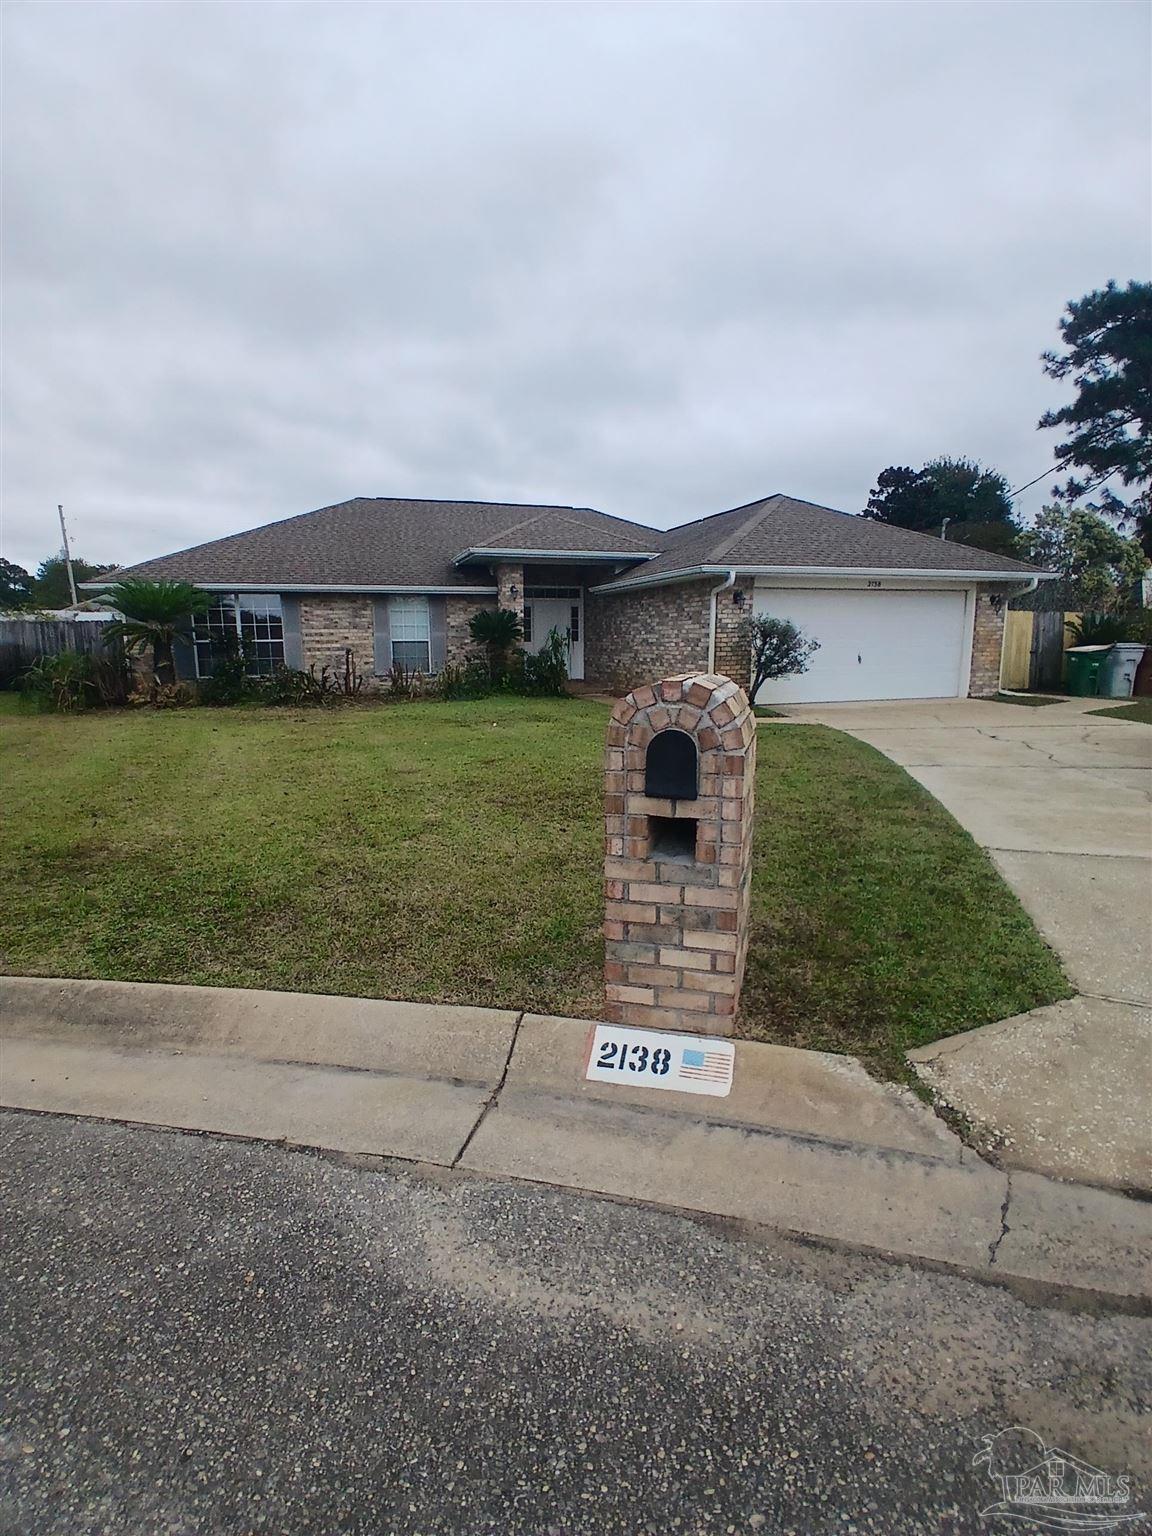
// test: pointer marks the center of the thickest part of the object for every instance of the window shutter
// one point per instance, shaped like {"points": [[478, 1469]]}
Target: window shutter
{"points": [[184, 655], [293, 643], [381, 637], [438, 631]]}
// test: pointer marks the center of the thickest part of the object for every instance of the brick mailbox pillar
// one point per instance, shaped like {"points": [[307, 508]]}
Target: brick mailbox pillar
{"points": [[679, 791]]}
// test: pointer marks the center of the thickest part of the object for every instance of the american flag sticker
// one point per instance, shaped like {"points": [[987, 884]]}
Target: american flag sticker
{"points": [[706, 1066]]}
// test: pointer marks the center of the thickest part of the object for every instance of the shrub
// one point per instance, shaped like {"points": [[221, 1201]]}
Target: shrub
{"points": [[70, 681], [1099, 629], [404, 683], [473, 680], [779, 649], [546, 670]]}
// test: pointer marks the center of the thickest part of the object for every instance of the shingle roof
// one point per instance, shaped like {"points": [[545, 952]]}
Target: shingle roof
{"points": [[389, 541], [781, 531]]}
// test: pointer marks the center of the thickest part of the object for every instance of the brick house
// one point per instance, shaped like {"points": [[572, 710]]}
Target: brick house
{"points": [[897, 614]]}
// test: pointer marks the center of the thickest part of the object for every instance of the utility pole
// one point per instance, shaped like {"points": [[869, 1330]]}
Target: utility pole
{"points": [[67, 556]]}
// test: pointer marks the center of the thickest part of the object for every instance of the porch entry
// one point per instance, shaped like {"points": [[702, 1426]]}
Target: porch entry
{"points": [[560, 608]]}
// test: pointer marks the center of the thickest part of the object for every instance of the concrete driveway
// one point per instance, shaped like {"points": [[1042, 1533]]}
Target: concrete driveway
{"points": [[1062, 800]]}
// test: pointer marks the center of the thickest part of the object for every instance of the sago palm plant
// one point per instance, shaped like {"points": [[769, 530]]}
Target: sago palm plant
{"points": [[497, 630], [153, 615]]}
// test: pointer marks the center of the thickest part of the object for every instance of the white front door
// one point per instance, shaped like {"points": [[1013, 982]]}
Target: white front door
{"points": [[885, 643], [566, 614]]}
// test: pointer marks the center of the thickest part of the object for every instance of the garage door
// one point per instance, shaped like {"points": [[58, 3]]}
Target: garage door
{"points": [[873, 644]]}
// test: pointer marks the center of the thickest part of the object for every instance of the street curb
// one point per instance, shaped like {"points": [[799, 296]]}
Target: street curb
{"points": [[806, 1144]]}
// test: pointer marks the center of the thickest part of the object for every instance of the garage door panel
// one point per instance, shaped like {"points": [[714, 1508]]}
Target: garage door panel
{"points": [[873, 644]]}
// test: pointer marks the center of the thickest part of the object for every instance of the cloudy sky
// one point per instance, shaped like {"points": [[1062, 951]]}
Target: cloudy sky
{"points": [[660, 260]]}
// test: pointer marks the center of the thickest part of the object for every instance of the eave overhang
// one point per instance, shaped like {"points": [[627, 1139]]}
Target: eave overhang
{"points": [[696, 572]]}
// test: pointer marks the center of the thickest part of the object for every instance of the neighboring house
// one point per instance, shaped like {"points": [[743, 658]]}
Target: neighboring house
{"points": [[897, 614]]}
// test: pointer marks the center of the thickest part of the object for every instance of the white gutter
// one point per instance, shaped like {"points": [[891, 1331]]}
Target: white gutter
{"points": [[725, 586], [296, 586], [695, 572], [1024, 590]]}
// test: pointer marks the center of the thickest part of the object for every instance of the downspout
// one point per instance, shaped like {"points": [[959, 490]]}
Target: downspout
{"points": [[725, 586], [1030, 586]]}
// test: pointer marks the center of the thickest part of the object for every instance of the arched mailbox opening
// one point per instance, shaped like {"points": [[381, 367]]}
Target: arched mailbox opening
{"points": [[672, 767]]}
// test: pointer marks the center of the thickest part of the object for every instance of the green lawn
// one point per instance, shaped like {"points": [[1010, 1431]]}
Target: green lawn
{"points": [[1140, 711], [452, 852]]}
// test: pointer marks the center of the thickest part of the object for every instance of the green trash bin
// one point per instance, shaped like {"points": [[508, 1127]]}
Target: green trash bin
{"points": [[1084, 665]]}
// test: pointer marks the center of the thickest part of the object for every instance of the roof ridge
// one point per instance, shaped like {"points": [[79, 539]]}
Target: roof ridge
{"points": [[573, 521], [748, 526], [709, 517], [471, 501]]}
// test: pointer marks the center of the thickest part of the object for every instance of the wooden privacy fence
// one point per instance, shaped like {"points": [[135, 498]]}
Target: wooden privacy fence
{"points": [[22, 640], [1034, 646]]}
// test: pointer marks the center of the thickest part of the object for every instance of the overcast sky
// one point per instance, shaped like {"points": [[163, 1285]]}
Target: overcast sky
{"points": [[659, 260]]}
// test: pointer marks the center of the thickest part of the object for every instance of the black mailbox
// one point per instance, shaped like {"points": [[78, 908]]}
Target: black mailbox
{"points": [[672, 767]]}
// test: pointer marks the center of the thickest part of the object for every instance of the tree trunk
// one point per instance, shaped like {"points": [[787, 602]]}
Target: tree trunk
{"points": [[163, 662]]}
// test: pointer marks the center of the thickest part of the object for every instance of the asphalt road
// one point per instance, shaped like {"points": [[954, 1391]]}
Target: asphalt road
{"points": [[207, 1336]]}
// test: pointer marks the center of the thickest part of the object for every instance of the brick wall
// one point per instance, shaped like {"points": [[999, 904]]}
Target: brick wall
{"points": [[330, 624], [733, 655], [647, 634], [987, 640], [457, 612]]}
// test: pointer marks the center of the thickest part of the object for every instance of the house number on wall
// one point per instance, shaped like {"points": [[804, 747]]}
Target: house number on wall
{"points": [[875, 583]]}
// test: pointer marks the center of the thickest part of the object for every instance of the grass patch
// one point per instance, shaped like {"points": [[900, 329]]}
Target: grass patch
{"points": [[762, 712], [1140, 711], [451, 852], [1029, 700]]}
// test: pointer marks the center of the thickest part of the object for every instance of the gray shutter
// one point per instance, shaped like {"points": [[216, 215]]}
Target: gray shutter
{"points": [[293, 642], [381, 638], [184, 656], [438, 631]]}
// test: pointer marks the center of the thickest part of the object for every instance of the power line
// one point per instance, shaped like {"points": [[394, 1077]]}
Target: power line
{"points": [[1027, 483]]}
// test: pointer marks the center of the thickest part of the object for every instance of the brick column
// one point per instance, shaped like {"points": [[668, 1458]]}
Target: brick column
{"points": [[677, 872], [507, 577], [987, 642]]}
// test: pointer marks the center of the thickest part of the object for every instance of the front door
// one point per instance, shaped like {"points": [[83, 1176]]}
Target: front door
{"points": [[564, 613]]}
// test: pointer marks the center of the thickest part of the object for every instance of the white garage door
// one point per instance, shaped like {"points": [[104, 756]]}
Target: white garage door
{"points": [[873, 644]]}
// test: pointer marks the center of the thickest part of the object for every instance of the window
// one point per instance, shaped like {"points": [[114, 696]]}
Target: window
{"points": [[574, 625], [526, 626], [246, 623], [410, 634], [551, 591]]}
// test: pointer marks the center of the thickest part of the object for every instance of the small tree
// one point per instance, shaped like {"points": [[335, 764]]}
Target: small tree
{"points": [[154, 613], [497, 630], [779, 649], [1099, 563]]}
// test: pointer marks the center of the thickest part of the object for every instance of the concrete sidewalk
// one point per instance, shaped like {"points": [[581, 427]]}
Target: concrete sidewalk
{"points": [[1062, 801], [806, 1143]]}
